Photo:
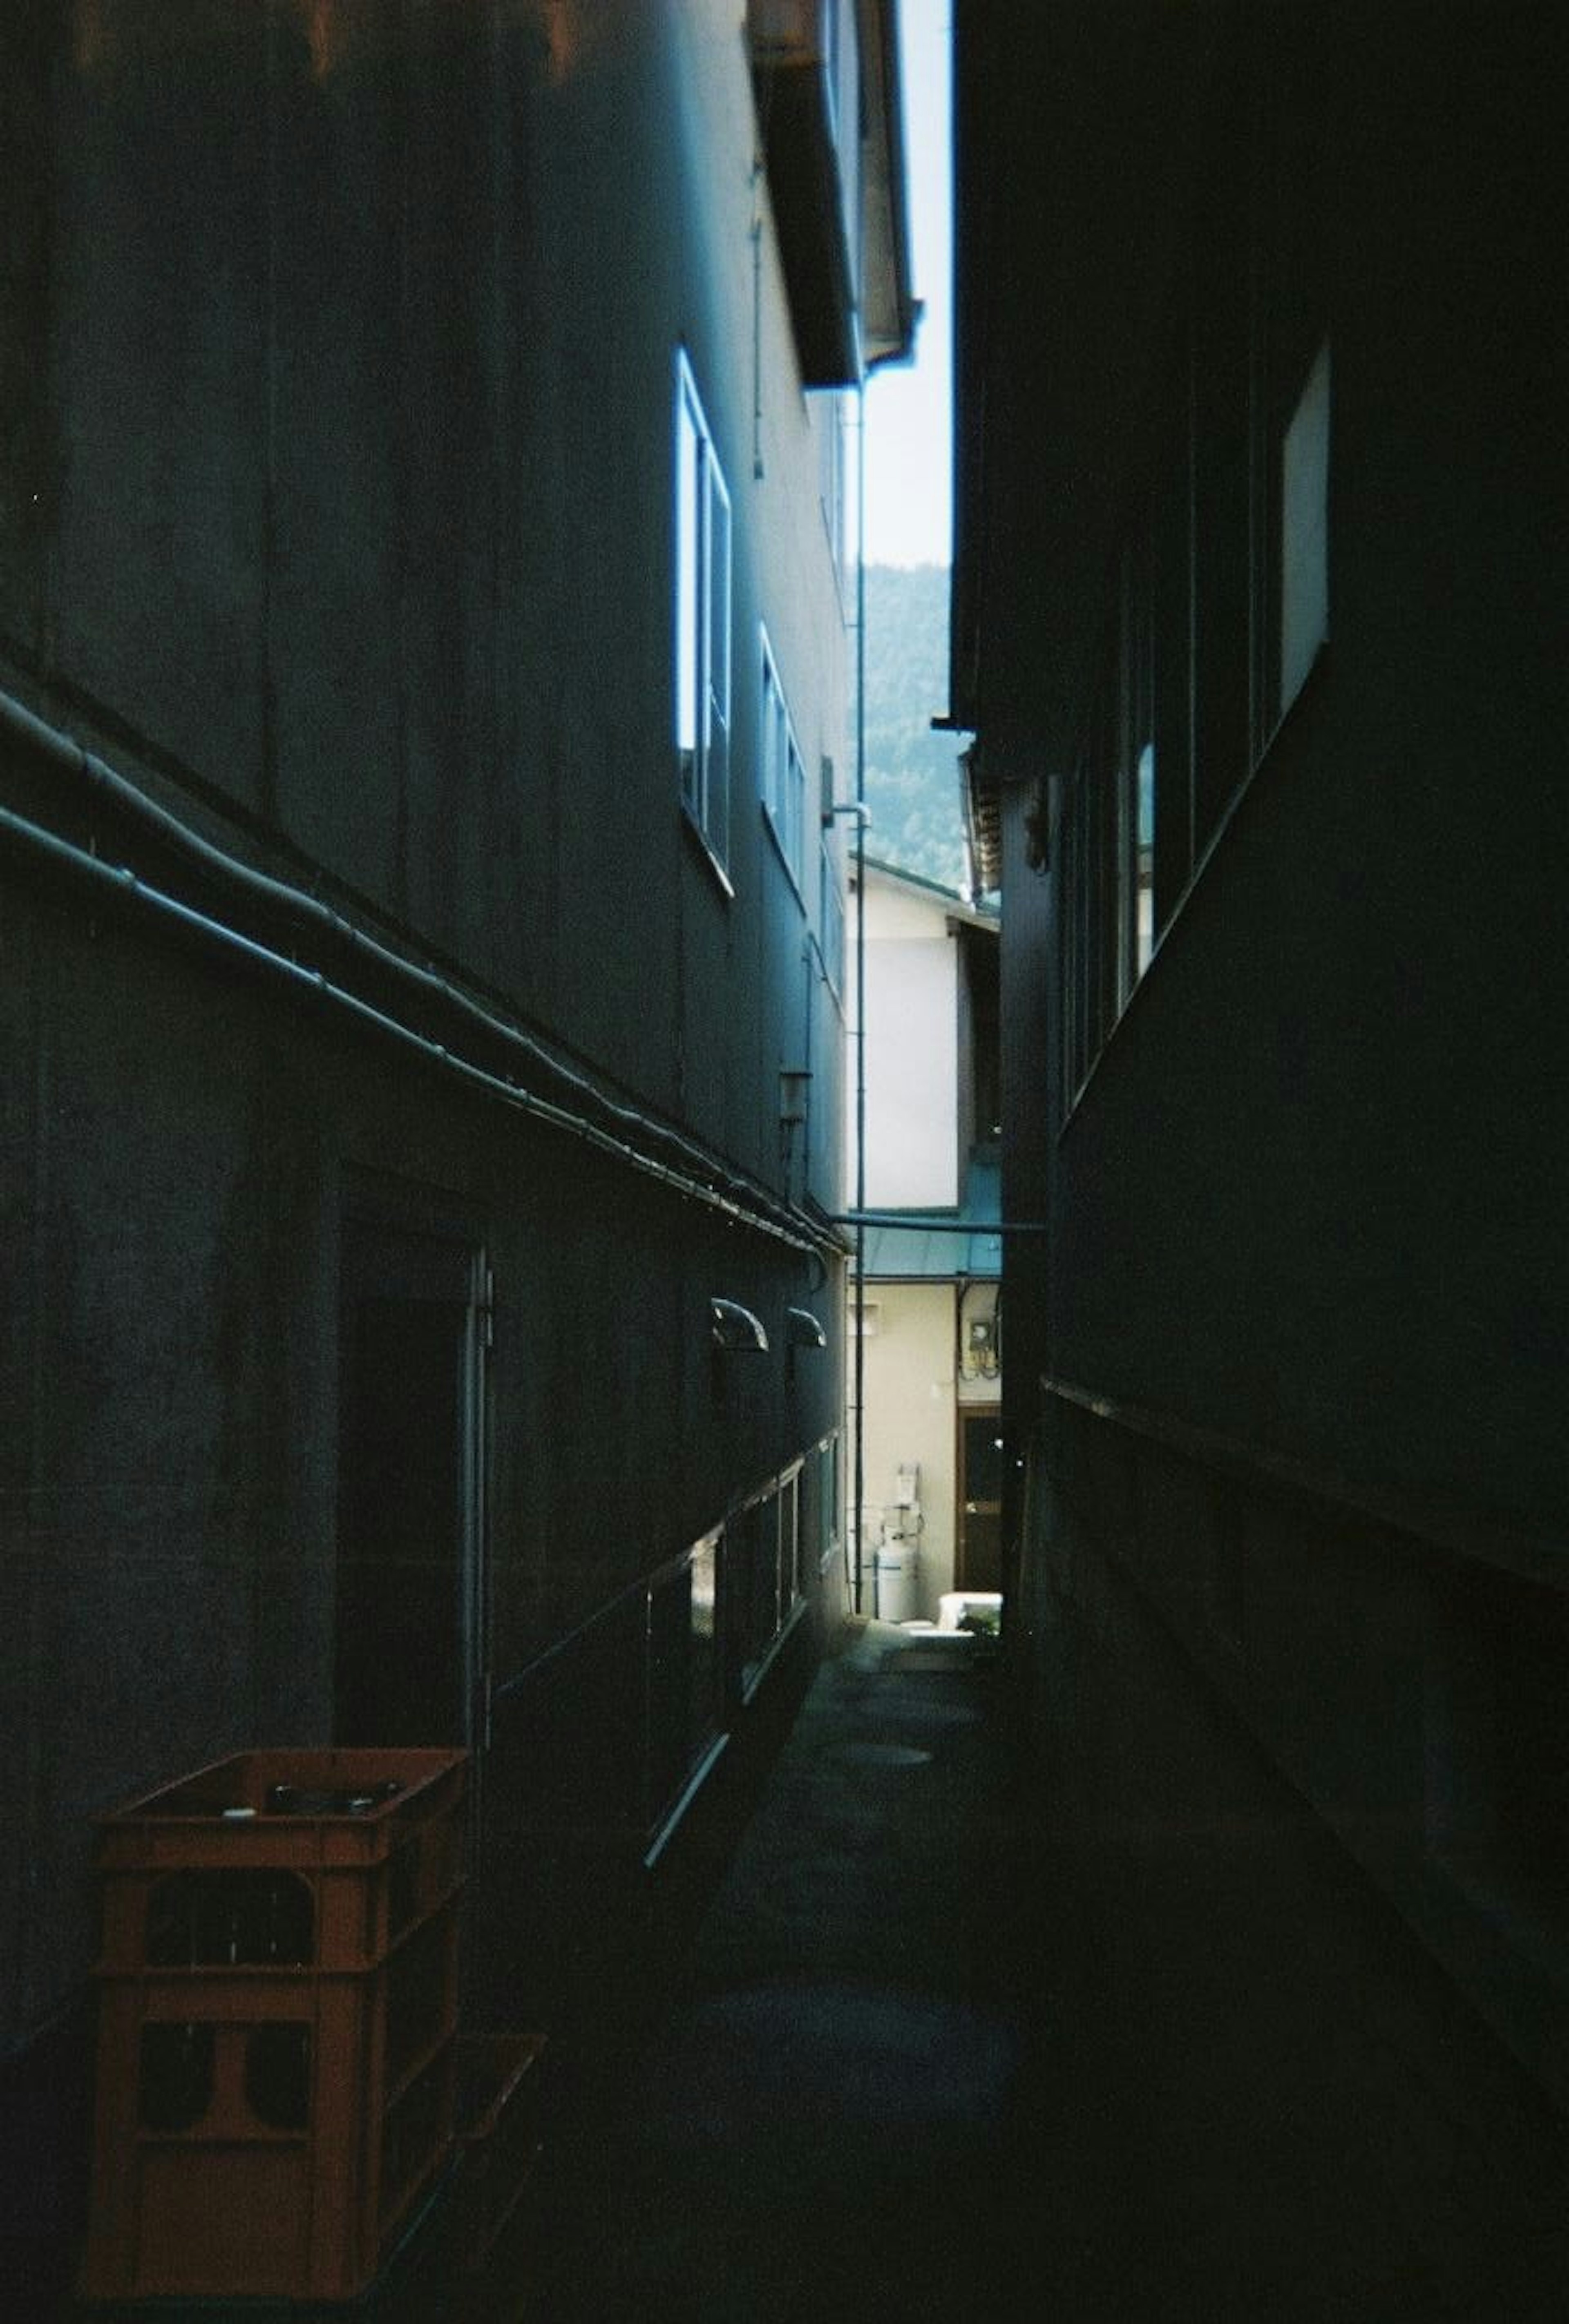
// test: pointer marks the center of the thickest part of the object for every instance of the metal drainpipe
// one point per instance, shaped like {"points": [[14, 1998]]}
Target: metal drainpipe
{"points": [[63, 750], [860, 1004], [46, 847]]}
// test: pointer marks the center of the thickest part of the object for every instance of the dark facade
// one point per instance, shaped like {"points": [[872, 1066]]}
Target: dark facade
{"points": [[422, 620], [1258, 620]]}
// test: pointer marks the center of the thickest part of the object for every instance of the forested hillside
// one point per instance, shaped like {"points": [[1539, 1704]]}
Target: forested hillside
{"points": [[911, 775]]}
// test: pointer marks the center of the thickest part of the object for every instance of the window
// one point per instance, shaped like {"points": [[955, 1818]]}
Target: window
{"points": [[782, 774], [765, 1576], [1222, 601], [792, 1580], [1144, 860], [702, 621], [1130, 756], [1107, 837], [831, 912], [682, 1676], [1305, 532], [752, 1569], [829, 1515]]}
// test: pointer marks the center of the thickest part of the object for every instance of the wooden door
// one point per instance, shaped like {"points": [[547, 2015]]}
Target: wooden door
{"points": [[978, 1535]]}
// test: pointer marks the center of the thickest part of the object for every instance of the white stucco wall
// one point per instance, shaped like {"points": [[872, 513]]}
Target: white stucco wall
{"points": [[910, 1420], [912, 1395], [913, 1401], [912, 1016]]}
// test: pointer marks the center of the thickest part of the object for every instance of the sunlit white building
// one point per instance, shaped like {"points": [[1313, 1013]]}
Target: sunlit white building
{"points": [[926, 1307]]}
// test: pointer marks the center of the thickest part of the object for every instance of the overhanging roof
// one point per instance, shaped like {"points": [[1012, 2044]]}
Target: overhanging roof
{"points": [[927, 1251], [1076, 131], [889, 309], [833, 140], [982, 802], [955, 906]]}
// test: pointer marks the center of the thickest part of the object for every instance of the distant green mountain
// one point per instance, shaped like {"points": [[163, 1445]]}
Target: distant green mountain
{"points": [[911, 775]]}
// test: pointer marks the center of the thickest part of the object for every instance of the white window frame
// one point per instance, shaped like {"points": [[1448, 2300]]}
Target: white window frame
{"points": [[831, 911], [782, 771], [702, 626]]}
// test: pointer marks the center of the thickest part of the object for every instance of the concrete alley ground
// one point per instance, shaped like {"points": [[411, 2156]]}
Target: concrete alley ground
{"points": [[936, 2054], [896, 2036]]}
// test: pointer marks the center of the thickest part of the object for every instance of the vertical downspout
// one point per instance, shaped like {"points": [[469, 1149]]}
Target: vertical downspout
{"points": [[859, 1510]]}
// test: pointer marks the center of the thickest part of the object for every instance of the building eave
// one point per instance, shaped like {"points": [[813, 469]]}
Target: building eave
{"points": [[890, 309], [955, 906], [832, 145], [1076, 131]]}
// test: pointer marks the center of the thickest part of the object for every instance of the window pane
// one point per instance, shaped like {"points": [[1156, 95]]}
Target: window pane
{"points": [[717, 770], [1144, 860], [790, 1579], [688, 631], [704, 1712], [831, 916], [719, 588], [795, 792], [702, 676], [769, 752], [1305, 533]]}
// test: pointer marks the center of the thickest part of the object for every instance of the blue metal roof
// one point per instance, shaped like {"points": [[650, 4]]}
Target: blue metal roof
{"points": [[927, 1253]]}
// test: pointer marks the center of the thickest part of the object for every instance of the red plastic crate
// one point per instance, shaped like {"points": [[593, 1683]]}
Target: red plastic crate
{"points": [[268, 2119], [367, 1875]]}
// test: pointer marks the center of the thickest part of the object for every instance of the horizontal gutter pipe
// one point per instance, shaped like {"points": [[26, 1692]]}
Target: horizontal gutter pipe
{"points": [[119, 881], [64, 751], [919, 1223]]}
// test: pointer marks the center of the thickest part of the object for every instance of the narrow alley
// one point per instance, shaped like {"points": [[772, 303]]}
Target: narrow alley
{"points": [[1158, 2054], [536, 1261]]}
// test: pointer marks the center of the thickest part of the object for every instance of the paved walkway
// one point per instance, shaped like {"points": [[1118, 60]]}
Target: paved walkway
{"points": [[906, 2030], [821, 2114], [932, 2058]]}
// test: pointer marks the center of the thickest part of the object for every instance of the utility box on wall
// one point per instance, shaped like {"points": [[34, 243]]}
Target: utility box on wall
{"points": [[278, 2014]]}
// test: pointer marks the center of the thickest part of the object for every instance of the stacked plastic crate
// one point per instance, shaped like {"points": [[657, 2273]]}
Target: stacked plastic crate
{"points": [[278, 1997]]}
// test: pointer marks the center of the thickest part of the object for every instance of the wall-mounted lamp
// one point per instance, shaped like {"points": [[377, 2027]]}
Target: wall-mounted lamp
{"points": [[802, 1329], [735, 1330]]}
